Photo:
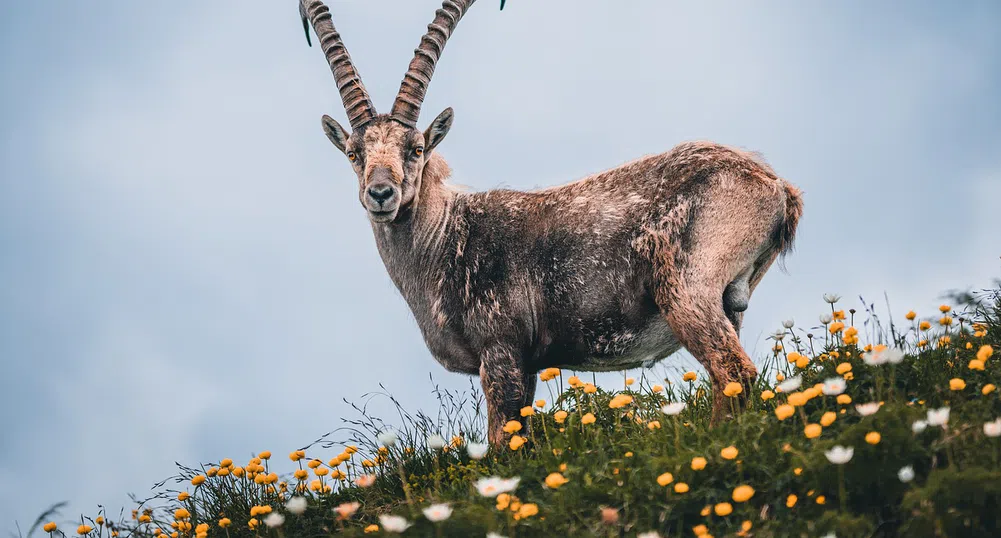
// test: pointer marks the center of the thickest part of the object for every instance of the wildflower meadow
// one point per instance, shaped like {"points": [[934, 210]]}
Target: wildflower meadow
{"points": [[856, 427]]}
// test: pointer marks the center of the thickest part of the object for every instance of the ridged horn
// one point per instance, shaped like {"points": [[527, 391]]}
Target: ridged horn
{"points": [[407, 106], [357, 103]]}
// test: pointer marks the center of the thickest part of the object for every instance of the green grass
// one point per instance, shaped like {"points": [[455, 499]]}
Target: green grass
{"points": [[612, 466]]}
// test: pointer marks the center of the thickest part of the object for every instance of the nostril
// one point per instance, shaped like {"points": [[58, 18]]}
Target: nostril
{"points": [[380, 193]]}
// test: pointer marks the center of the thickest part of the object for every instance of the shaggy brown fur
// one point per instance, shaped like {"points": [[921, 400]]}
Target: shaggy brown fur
{"points": [[617, 270]]}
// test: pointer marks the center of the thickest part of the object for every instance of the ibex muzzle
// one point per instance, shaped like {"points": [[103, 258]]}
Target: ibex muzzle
{"points": [[617, 270]]}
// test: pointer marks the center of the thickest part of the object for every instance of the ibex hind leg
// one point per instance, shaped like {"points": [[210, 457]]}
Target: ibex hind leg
{"points": [[701, 325]]}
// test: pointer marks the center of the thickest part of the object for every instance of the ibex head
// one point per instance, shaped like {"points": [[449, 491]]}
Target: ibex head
{"points": [[387, 151]]}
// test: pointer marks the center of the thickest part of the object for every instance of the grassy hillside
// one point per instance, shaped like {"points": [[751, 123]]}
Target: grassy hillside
{"points": [[910, 447]]}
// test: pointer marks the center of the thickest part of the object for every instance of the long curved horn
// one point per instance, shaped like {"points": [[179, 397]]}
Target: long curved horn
{"points": [[407, 106], [357, 103]]}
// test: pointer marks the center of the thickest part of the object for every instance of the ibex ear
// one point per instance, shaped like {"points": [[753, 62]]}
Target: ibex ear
{"points": [[436, 132], [335, 133]]}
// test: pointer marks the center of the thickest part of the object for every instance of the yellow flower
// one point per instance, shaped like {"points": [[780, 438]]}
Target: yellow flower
{"points": [[797, 399], [516, 442], [706, 511], [527, 411], [630, 381], [792, 357], [253, 523], [587, 419], [957, 384], [49, 527], [653, 425], [84, 529], [812, 431], [984, 353], [742, 493], [297, 455], [840, 314], [657, 388], [144, 519], [701, 530], [828, 418], [371, 528], [560, 416], [791, 500], [540, 403], [797, 471], [321, 471], [698, 463], [574, 381], [665, 479], [733, 389], [200, 479], [945, 321], [527, 510], [836, 327], [802, 362], [590, 388], [266, 455], [988, 388], [689, 376], [620, 400], [555, 480], [911, 315], [976, 365], [225, 522], [873, 438], [944, 309], [503, 501], [181, 513], [924, 325], [512, 426], [844, 399], [723, 509], [767, 395], [784, 411], [681, 487], [729, 452], [821, 499], [779, 377]]}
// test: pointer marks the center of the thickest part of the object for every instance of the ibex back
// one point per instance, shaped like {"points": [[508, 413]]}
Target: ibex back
{"points": [[614, 271]]}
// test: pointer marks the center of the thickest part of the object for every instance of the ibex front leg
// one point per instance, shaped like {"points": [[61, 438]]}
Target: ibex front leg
{"points": [[507, 388]]}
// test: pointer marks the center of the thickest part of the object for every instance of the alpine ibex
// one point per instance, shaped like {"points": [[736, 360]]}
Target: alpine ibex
{"points": [[613, 271]]}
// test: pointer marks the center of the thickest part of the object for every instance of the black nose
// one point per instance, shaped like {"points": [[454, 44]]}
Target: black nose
{"points": [[380, 193]]}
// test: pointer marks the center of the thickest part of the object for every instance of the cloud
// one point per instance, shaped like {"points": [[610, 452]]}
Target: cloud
{"points": [[189, 275]]}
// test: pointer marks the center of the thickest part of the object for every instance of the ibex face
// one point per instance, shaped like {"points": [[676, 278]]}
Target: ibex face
{"points": [[389, 158], [387, 151]]}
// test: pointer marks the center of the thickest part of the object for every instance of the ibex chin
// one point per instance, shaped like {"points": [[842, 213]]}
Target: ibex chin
{"points": [[614, 271]]}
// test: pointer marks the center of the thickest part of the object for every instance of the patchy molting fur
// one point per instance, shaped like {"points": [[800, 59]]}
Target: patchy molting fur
{"points": [[614, 271]]}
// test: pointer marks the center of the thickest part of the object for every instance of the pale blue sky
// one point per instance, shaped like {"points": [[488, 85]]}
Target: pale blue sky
{"points": [[186, 273]]}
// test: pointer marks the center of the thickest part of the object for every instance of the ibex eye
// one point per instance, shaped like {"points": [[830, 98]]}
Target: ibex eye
{"points": [[418, 151], [352, 156]]}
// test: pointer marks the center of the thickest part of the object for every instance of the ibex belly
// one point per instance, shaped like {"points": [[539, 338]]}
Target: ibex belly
{"points": [[626, 348]]}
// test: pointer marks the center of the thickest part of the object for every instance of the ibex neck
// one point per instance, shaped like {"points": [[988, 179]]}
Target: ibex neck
{"points": [[413, 246]]}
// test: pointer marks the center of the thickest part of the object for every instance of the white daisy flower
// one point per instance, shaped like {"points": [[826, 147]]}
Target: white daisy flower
{"points": [[438, 512], [839, 455], [393, 523]]}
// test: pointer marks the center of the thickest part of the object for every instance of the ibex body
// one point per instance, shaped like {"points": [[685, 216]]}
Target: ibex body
{"points": [[614, 271]]}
